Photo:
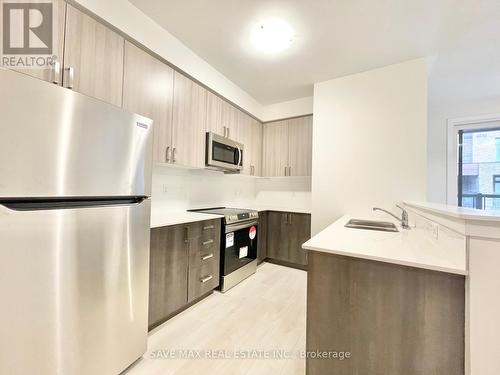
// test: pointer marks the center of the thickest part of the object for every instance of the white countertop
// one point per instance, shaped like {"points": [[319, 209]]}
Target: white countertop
{"points": [[407, 247], [457, 212], [164, 218]]}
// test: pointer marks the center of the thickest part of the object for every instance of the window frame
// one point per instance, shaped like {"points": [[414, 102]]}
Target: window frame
{"points": [[486, 122]]}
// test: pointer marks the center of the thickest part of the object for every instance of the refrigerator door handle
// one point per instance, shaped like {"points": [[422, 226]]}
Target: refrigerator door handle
{"points": [[44, 204]]}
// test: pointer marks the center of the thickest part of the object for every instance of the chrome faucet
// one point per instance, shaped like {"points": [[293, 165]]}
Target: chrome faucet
{"points": [[404, 216]]}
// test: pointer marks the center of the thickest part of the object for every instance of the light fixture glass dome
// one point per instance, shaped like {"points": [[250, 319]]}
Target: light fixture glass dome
{"points": [[272, 36]]}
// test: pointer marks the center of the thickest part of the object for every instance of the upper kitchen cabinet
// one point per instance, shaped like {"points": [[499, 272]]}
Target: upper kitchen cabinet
{"points": [[250, 134], [148, 90], [275, 149], [189, 122], [222, 117], [93, 58], [300, 147], [54, 74], [287, 148]]}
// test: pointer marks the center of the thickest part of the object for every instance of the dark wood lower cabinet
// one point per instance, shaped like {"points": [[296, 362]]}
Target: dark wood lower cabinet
{"points": [[393, 320], [168, 272], [287, 232], [262, 237], [184, 266]]}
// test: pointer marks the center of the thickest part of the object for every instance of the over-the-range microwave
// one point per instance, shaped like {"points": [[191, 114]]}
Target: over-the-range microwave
{"points": [[223, 153]]}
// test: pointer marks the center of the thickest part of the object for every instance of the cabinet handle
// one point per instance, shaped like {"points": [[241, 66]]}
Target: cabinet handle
{"points": [[206, 278], [285, 171], [228, 132], [186, 234], [56, 72], [208, 227], [167, 154], [286, 218], [173, 154], [290, 219], [207, 242], [289, 171], [251, 170], [225, 131], [211, 255], [71, 77]]}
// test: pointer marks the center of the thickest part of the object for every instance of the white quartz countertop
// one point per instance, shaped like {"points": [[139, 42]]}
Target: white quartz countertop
{"points": [[164, 218], [457, 212], [406, 247]]}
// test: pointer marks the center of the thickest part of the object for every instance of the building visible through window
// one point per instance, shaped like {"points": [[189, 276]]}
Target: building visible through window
{"points": [[478, 166]]}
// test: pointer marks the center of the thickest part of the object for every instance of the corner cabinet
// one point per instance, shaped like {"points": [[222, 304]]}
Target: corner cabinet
{"points": [[183, 267], [148, 87], [287, 232], [287, 148]]}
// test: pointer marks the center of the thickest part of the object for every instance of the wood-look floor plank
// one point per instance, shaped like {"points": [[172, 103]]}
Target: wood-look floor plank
{"points": [[264, 312]]}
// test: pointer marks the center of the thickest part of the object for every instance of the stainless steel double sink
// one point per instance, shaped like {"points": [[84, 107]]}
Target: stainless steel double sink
{"points": [[382, 226]]}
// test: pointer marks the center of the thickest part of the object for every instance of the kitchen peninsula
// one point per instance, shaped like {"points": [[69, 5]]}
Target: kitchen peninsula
{"points": [[408, 301]]}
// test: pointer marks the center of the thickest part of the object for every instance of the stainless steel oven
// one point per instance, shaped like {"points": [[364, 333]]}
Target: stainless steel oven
{"points": [[223, 153]]}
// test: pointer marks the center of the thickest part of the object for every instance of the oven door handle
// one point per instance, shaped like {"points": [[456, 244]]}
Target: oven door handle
{"points": [[234, 227]]}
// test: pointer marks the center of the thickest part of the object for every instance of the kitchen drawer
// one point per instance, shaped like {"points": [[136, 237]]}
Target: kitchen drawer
{"points": [[210, 230], [203, 279], [206, 254]]}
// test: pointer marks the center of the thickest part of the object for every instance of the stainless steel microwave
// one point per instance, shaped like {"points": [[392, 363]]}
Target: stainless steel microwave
{"points": [[223, 153]]}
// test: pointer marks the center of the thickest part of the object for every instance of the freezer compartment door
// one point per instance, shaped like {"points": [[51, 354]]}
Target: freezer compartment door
{"points": [[57, 142], [74, 288]]}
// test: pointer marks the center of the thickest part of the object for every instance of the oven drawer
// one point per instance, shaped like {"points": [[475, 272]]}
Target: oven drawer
{"points": [[203, 279]]}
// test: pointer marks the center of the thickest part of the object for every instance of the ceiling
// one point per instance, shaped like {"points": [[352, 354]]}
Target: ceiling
{"points": [[334, 38]]}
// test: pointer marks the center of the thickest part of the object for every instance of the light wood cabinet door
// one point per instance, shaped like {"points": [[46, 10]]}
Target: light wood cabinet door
{"points": [[215, 107], [148, 87], [222, 117], [189, 122], [168, 272], [275, 149], [300, 149], [256, 147], [50, 74], [96, 54], [244, 126]]}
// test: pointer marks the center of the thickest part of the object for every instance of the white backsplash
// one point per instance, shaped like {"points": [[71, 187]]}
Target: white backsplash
{"points": [[177, 189]]}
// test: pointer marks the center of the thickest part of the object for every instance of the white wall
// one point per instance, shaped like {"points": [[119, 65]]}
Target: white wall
{"points": [[369, 141], [440, 112], [292, 108], [177, 189]]}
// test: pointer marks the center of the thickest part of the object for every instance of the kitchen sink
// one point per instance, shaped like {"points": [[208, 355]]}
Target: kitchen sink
{"points": [[383, 226]]}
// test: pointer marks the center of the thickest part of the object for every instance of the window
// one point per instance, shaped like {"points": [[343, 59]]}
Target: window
{"points": [[478, 165], [497, 144], [496, 184]]}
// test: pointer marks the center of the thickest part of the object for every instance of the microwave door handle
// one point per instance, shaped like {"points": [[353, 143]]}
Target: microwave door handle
{"points": [[239, 157]]}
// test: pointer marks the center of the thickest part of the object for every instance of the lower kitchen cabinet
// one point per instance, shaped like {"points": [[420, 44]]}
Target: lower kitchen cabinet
{"points": [[168, 272], [287, 232], [184, 266], [262, 237]]}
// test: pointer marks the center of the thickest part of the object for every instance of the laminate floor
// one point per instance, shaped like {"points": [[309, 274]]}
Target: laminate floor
{"points": [[256, 328]]}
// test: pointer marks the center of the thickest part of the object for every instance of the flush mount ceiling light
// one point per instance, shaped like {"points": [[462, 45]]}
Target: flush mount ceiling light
{"points": [[272, 36]]}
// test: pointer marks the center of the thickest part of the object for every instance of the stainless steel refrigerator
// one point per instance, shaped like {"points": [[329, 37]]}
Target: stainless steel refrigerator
{"points": [[75, 181]]}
